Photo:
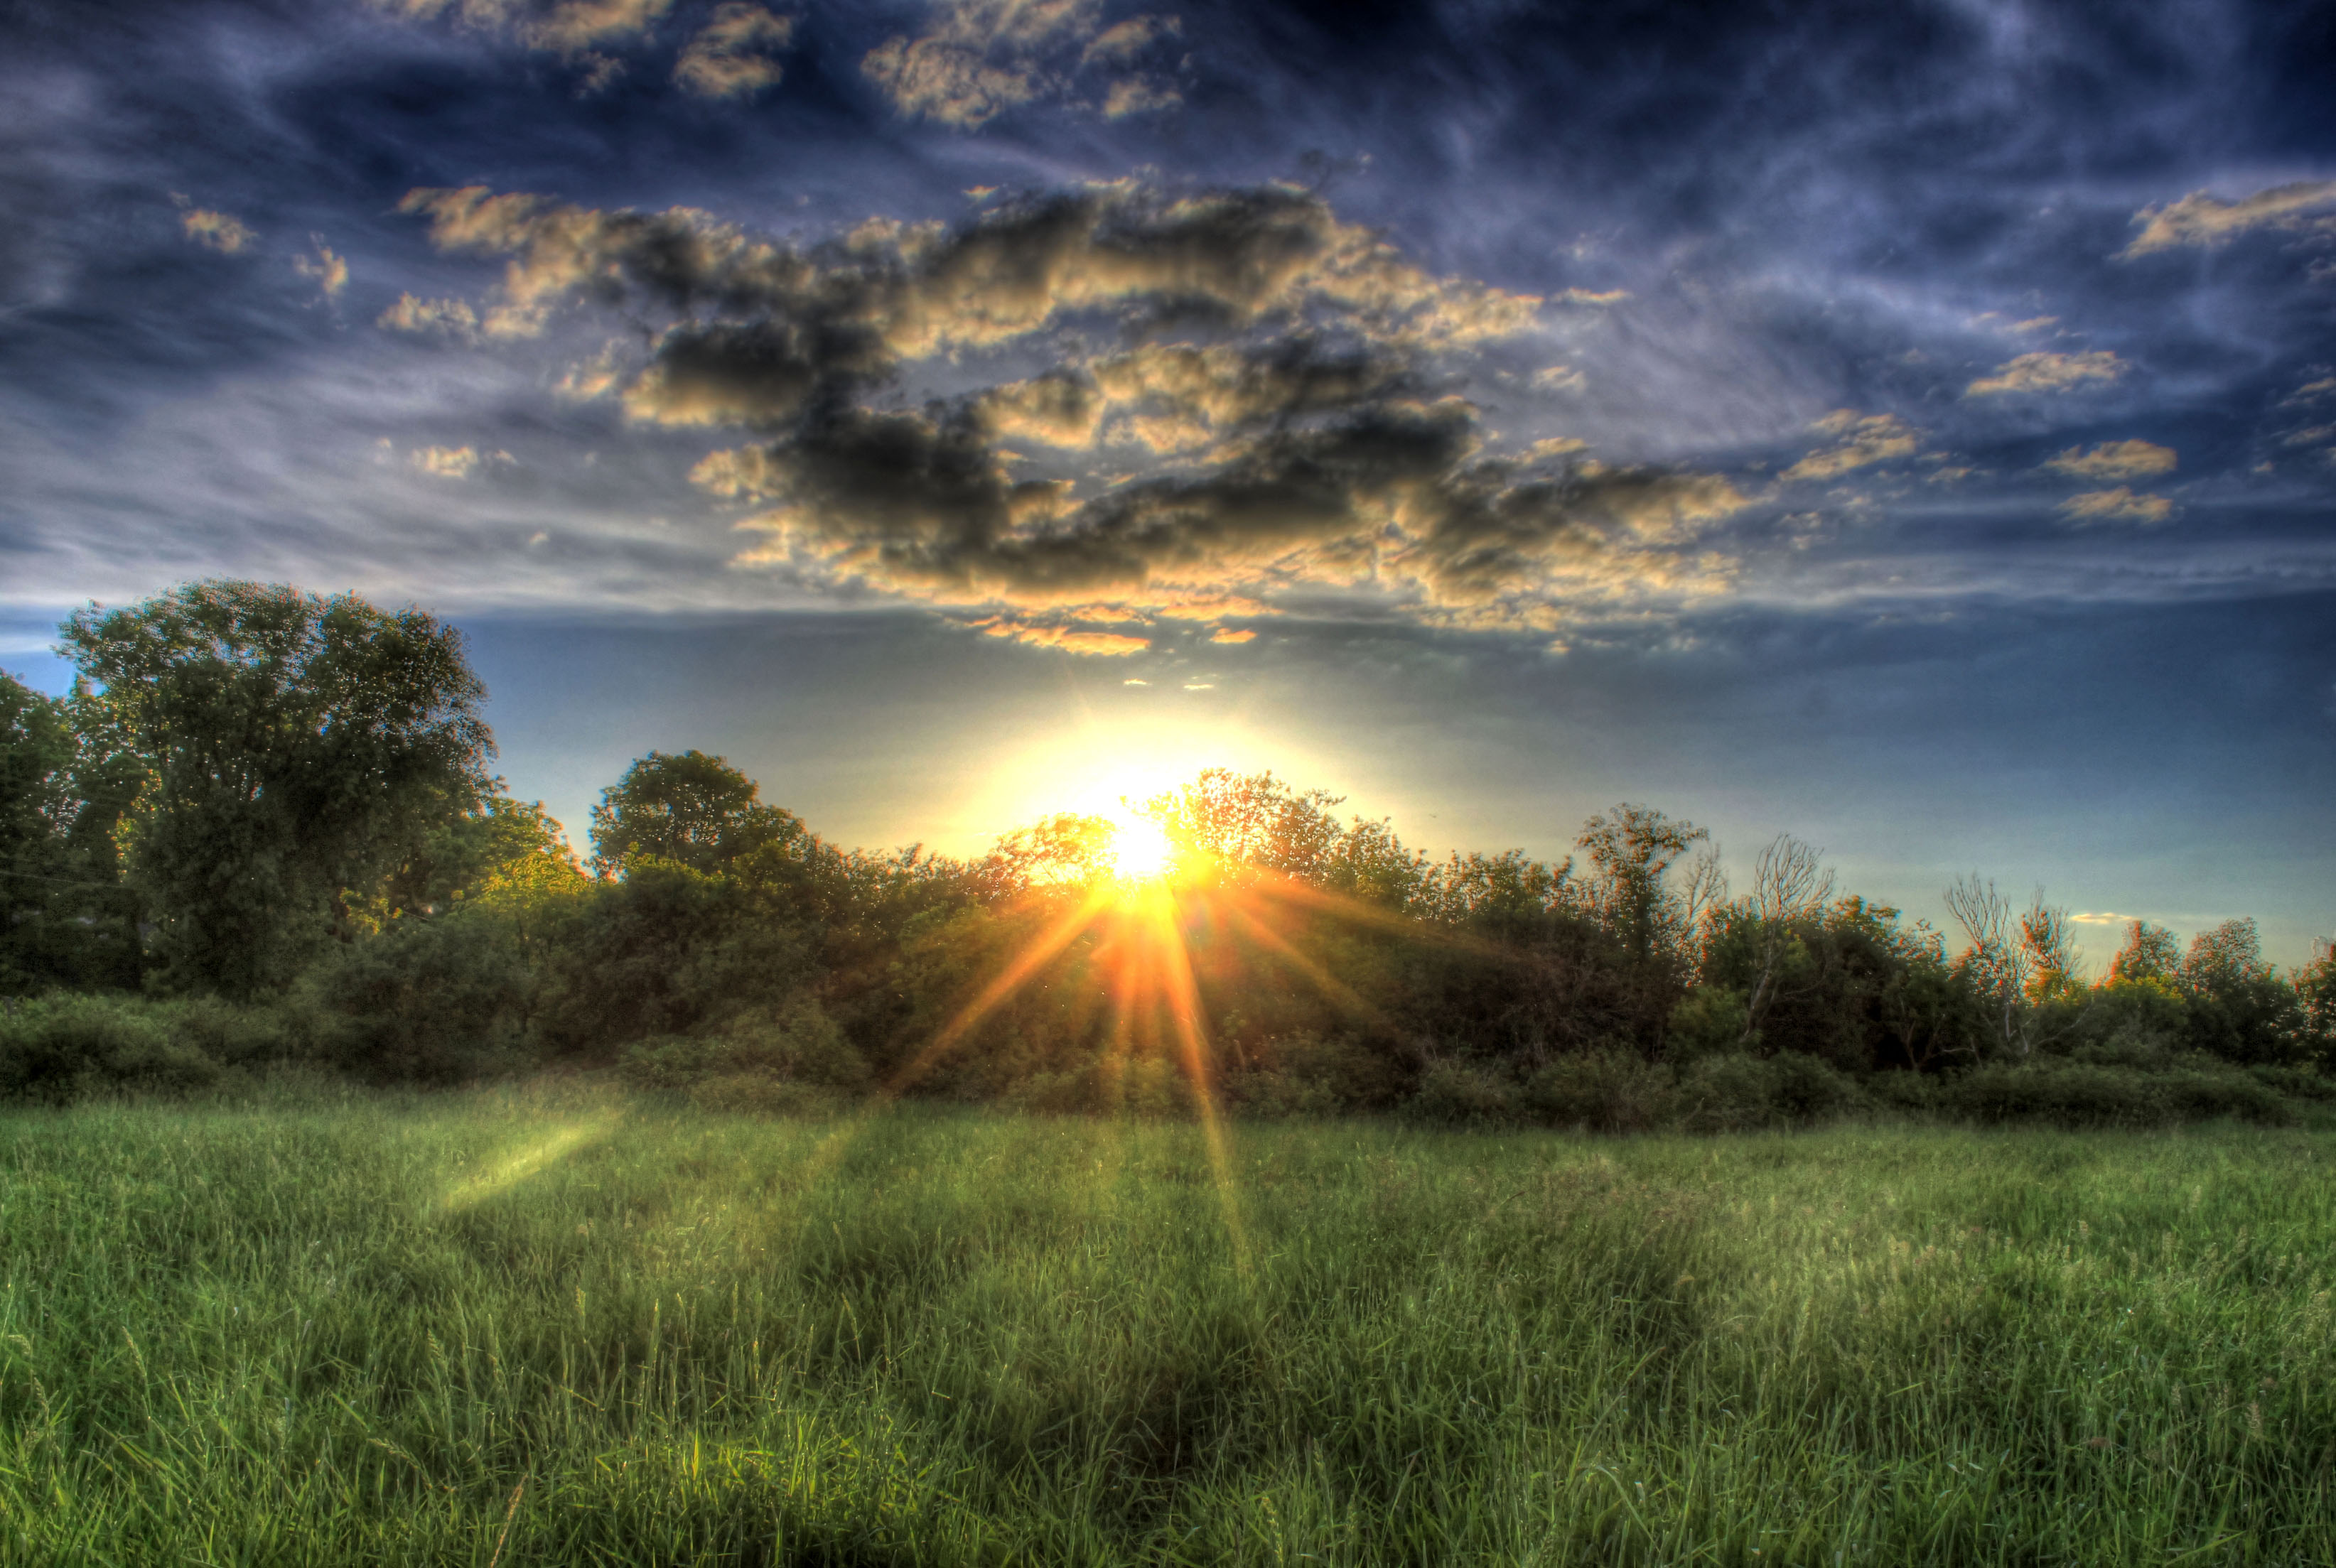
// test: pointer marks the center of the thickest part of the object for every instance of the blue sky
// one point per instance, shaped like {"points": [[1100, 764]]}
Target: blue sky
{"points": [[1913, 428]]}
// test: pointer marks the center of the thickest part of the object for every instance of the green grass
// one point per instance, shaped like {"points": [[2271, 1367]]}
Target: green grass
{"points": [[592, 1330]]}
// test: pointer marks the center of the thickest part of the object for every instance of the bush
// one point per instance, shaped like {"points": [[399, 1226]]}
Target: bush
{"points": [[1806, 1089], [1906, 1092], [1731, 1092], [1712, 1021], [1310, 1074], [792, 1042], [1452, 1094], [1606, 1091], [437, 1001], [62, 1048], [2076, 1094]]}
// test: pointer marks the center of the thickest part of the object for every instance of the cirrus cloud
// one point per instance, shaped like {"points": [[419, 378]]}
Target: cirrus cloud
{"points": [[2048, 373], [2205, 220], [2114, 461]]}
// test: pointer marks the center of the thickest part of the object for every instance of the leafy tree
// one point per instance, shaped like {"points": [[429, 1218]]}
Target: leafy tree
{"points": [[65, 919], [296, 751], [1064, 850], [496, 840], [690, 809], [1630, 851], [1238, 824], [2150, 953], [2241, 1008]]}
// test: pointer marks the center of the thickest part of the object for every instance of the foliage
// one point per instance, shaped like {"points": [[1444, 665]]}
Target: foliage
{"points": [[298, 785], [692, 811], [296, 751], [60, 1049], [65, 919]]}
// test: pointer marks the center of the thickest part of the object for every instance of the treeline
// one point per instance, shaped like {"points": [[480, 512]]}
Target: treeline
{"points": [[263, 829]]}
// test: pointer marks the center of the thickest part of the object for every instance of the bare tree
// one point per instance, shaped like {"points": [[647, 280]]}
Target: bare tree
{"points": [[2051, 945], [1995, 961], [1790, 883], [1705, 889]]}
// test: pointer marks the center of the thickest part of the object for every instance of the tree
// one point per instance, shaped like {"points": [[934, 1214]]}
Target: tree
{"points": [[2241, 1008], [1233, 825], [1630, 848], [2150, 953], [36, 757], [690, 809], [296, 751], [1789, 885], [497, 840]]}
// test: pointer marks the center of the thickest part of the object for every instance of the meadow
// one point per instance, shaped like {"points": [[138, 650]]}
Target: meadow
{"points": [[551, 1324]]}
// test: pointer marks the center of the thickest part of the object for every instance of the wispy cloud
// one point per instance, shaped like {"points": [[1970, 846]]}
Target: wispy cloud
{"points": [[2114, 460], [1861, 442], [2121, 505], [978, 59], [216, 231], [736, 53], [2048, 372], [2202, 219]]}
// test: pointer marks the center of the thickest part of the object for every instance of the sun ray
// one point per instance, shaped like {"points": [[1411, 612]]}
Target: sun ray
{"points": [[1011, 979], [1340, 994], [1183, 998]]}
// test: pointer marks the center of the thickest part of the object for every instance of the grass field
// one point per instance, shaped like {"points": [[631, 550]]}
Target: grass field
{"points": [[548, 1327]]}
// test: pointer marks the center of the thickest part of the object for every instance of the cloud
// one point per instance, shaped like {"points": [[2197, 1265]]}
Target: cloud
{"points": [[2114, 461], [1595, 532], [732, 55], [215, 230], [445, 463], [566, 27], [1227, 634], [328, 270], [856, 307], [1068, 638], [2120, 505], [1123, 43], [2202, 220], [453, 317], [2044, 372], [1294, 440], [1593, 296], [1863, 441], [978, 59], [1136, 96]]}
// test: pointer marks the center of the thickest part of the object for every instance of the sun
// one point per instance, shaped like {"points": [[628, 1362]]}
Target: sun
{"points": [[1140, 851]]}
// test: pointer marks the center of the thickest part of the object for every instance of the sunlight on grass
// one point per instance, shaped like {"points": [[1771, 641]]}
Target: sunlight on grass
{"points": [[960, 1337]]}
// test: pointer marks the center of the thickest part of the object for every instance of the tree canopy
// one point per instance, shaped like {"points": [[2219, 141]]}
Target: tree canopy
{"points": [[296, 751]]}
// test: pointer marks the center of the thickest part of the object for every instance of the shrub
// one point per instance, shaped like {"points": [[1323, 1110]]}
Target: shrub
{"points": [[1712, 1021], [1310, 1074], [792, 1042], [1453, 1094], [1909, 1093], [62, 1048], [1605, 1090], [1731, 1092], [435, 1001], [2077, 1094], [1803, 1089]]}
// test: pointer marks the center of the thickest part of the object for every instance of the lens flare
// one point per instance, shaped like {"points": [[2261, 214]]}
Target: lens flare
{"points": [[1140, 851]]}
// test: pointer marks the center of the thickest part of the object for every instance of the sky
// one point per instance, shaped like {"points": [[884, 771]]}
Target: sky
{"points": [[1911, 428]]}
